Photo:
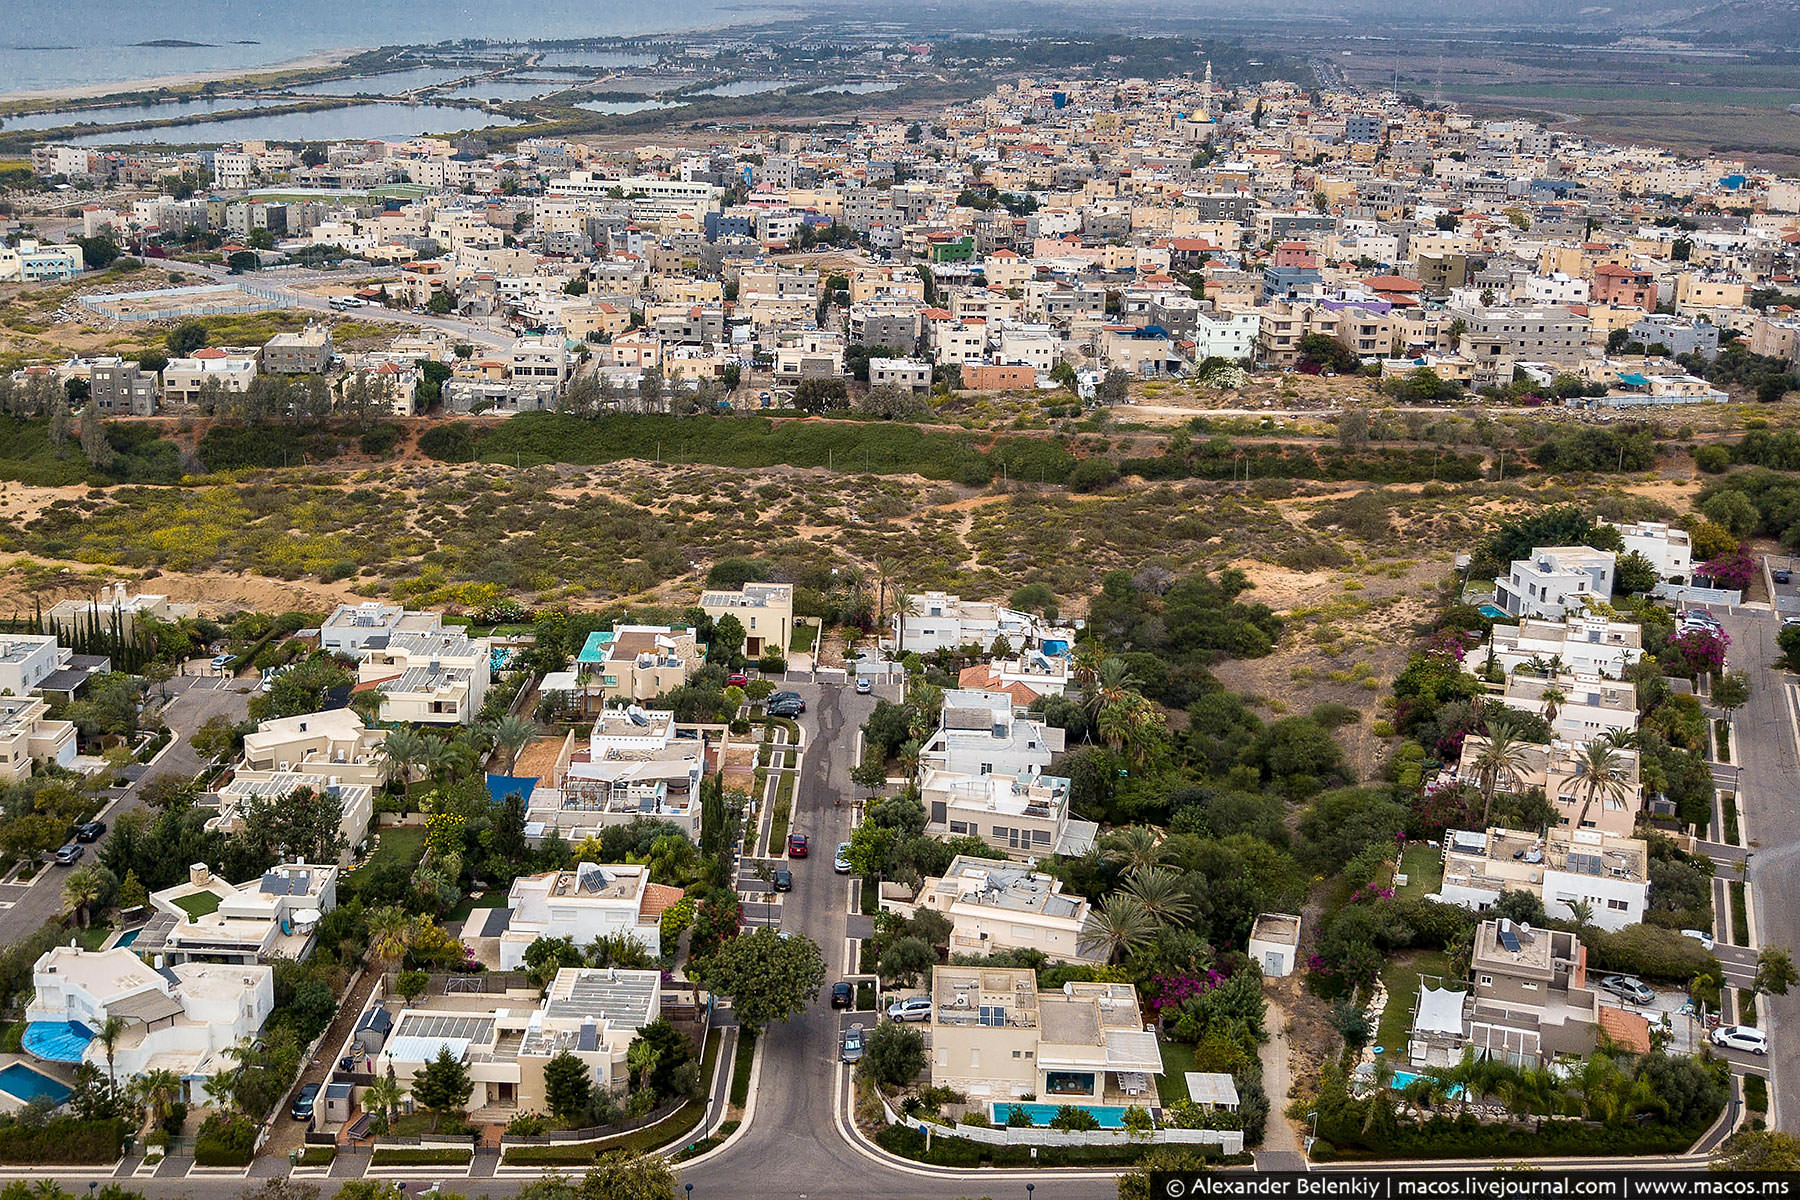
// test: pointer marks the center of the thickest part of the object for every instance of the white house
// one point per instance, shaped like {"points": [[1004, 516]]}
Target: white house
{"points": [[1668, 549], [435, 678], [333, 746], [996, 906], [1590, 707], [932, 621], [1555, 581], [981, 733], [636, 764], [1588, 645], [182, 1018], [28, 659], [1025, 816], [275, 915], [591, 901], [1274, 943], [1604, 871], [350, 626], [28, 736]]}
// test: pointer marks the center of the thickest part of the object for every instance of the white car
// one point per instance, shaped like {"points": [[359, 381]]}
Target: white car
{"points": [[1741, 1037], [913, 1008], [1699, 935]]}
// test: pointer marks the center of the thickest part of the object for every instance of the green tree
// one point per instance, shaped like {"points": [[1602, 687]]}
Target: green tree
{"points": [[821, 395], [512, 734], [768, 978], [622, 1175], [1775, 971], [1731, 691], [568, 1086], [1758, 1150], [548, 955], [893, 1053], [442, 1085], [906, 959], [1635, 574], [727, 639]]}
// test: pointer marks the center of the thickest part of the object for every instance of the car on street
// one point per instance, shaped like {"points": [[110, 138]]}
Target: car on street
{"points": [[302, 1107], [841, 864], [782, 880], [736, 679], [1741, 1037], [842, 995], [70, 854], [863, 686], [796, 845], [852, 1049], [913, 1008], [1783, 575], [89, 831], [786, 708], [1699, 935], [1790, 621], [1628, 987]]}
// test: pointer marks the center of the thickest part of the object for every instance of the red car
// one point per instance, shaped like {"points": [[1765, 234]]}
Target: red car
{"points": [[737, 679], [796, 845]]}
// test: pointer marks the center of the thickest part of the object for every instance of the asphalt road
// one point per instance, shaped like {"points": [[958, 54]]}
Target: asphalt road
{"points": [[1765, 748], [194, 700]]}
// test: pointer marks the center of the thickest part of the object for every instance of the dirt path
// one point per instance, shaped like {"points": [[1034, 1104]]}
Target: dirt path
{"points": [[1280, 1134]]}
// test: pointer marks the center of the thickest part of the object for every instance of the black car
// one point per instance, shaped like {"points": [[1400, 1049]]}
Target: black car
{"points": [[304, 1099], [90, 831], [783, 880], [1784, 576], [842, 995], [786, 708]]}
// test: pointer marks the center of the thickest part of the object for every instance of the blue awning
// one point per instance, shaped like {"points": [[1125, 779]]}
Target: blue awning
{"points": [[57, 1041]]}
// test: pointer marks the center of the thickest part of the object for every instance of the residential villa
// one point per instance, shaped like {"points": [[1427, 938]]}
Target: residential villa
{"points": [[181, 1017], [1669, 550], [637, 763], [1584, 644], [766, 611], [981, 733], [995, 1037], [1024, 678], [996, 906], [1605, 871], [1027, 816], [187, 380], [1556, 581], [1530, 1001], [112, 607], [932, 621], [507, 1039], [350, 627], [1556, 770], [333, 747], [638, 662], [208, 919], [427, 678], [592, 901], [28, 736], [356, 800], [28, 660], [1581, 707]]}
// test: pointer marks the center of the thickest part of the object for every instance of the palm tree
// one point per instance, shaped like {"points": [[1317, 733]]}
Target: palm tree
{"points": [[157, 1090], [1599, 775], [434, 758], [109, 1033], [640, 1058], [1582, 913], [391, 931], [514, 734], [1121, 925], [1552, 696], [1111, 684], [1084, 666], [1504, 754], [1161, 894], [384, 1096], [1136, 848], [399, 752], [82, 891]]}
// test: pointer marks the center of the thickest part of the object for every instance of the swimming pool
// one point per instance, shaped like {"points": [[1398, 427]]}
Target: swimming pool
{"points": [[126, 938], [1110, 1116], [28, 1085], [1405, 1079], [1493, 612], [57, 1041]]}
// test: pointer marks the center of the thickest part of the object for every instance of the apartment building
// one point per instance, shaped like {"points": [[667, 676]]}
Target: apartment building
{"points": [[436, 678], [183, 1018], [1559, 772], [765, 610], [1556, 581], [30, 261], [995, 907], [275, 915], [592, 901], [995, 1037], [1584, 644], [28, 736], [122, 389], [1545, 334], [1024, 816], [307, 352], [539, 360], [908, 374], [638, 662], [1678, 336], [188, 380], [809, 355], [1606, 872]]}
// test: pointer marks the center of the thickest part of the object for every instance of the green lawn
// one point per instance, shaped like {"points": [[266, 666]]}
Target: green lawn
{"points": [[1423, 867], [802, 642], [94, 936], [1178, 1060], [198, 905], [1401, 975], [462, 912], [404, 844]]}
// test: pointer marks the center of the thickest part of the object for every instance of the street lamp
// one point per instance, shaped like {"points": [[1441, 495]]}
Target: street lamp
{"points": [[690, 1191], [1030, 1188]]}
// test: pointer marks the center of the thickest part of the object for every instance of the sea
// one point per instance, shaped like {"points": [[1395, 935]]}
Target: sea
{"points": [[47, 44]]}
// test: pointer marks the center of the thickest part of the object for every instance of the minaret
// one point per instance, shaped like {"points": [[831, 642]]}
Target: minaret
{"points": [[1206, 92]]}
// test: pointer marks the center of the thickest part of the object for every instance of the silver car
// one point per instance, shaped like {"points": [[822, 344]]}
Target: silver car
{"points": [[852, 1049], [913, 1008]]}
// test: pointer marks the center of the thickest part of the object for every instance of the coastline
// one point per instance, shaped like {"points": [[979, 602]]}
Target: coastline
{"points": [[87, 91]]}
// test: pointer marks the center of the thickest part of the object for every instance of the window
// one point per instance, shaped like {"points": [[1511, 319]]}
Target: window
{"points": [[1528, 986], [1486, 980], [1617, 905]]}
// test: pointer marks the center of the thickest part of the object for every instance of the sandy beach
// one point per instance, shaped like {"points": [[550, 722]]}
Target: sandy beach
{"points": [[310, 62]]}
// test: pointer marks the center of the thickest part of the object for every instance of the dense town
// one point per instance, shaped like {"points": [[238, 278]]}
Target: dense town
{"points": [[497, 887]]}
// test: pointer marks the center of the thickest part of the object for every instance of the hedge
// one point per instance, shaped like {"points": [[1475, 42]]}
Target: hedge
{"points": [[1756, 1093], [709, 1143], [318, 1156], [1649, 952], [225, 1142], [1466, 1137], [420, 1156], [639, 1141], [948, 1151], [741, 1061], [65, 1140]]}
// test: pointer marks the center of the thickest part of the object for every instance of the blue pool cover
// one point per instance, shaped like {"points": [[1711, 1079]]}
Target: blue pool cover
{"points": [[57, 1041]]}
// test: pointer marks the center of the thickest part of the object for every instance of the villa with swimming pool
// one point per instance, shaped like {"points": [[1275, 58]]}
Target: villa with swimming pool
{"points": [[996, 1038]]}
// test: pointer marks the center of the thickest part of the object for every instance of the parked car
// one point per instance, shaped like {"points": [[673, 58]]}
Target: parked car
{"points": [[1785, 621], [70, 854], [1741, 1037], [796, 845], [1699, 935], [842, 995], [302, 1107], [1783, 575], [913, 1008], [841, 864], [89, 831], [736, 679], [782, 880], [852, 1049], [784, 695], [863, 686], [786, 708], [221, 661], [1628, 987]]}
